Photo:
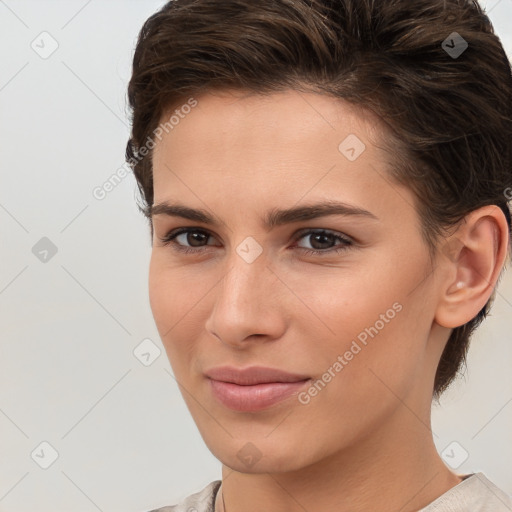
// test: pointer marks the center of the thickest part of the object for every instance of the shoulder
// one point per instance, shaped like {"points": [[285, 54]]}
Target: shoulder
{"points": [[201, 501], [474, 494]]}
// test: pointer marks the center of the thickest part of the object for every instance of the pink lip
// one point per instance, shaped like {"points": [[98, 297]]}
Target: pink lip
{"points": [[253, 397], [254, 388], [252, 375]]}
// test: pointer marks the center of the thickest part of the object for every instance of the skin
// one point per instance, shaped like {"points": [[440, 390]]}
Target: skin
{"points": [[364, 442]]}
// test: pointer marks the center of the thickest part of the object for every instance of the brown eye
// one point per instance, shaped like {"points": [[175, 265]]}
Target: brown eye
{"points": [[190, 238], [193, 241], [319, 239]]}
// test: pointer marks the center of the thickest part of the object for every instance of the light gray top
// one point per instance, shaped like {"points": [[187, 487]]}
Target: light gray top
{"points": [[474, 494]]}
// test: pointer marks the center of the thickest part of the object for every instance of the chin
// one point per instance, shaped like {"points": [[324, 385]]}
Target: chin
{"points": [[262, 454]]}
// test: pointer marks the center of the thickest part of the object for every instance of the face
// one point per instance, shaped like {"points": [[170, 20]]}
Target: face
{"points": [[344, 298]]}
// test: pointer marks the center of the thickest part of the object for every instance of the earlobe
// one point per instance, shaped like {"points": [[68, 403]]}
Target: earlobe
{"points": [[473, 258]]}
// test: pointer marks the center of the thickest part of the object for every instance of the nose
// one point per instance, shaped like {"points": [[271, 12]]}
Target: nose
{"points": [[248, 303]]}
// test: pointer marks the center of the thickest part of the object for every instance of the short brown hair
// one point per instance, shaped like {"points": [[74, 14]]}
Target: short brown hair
{"points": [[449, 116]]}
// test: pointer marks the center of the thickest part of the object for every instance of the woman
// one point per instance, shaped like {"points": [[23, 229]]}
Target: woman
{"points": [[326, 187]]}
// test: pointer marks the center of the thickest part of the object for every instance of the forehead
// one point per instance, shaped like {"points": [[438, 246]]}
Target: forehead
{"points": [[261, 150], [264, 131], [291, 113]]}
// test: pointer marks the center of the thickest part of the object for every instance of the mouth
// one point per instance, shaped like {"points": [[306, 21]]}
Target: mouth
{"points": [[253, 375], [255, 397], [255, 388]]}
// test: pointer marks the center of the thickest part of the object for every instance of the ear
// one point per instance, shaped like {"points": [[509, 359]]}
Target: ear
{"points": [[472, 259]]}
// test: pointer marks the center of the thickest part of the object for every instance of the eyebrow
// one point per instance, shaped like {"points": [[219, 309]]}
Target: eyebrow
{"points": [[273, 218]]}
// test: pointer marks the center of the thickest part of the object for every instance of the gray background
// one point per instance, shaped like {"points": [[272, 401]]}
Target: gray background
{"points": [[70, 324]]}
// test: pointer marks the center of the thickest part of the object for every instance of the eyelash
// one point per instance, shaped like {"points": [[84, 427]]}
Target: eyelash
{"points": [[168, 240]]}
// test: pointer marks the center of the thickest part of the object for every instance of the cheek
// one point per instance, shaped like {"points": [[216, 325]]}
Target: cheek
{"points": [[368, 326], [349, 304], [156, 289], [165, 300], [166, 304], [169, 287], [176, 303]]}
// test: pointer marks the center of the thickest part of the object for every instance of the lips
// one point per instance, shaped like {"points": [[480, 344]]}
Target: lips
{"points": [[253, 389], [252, 375]]}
